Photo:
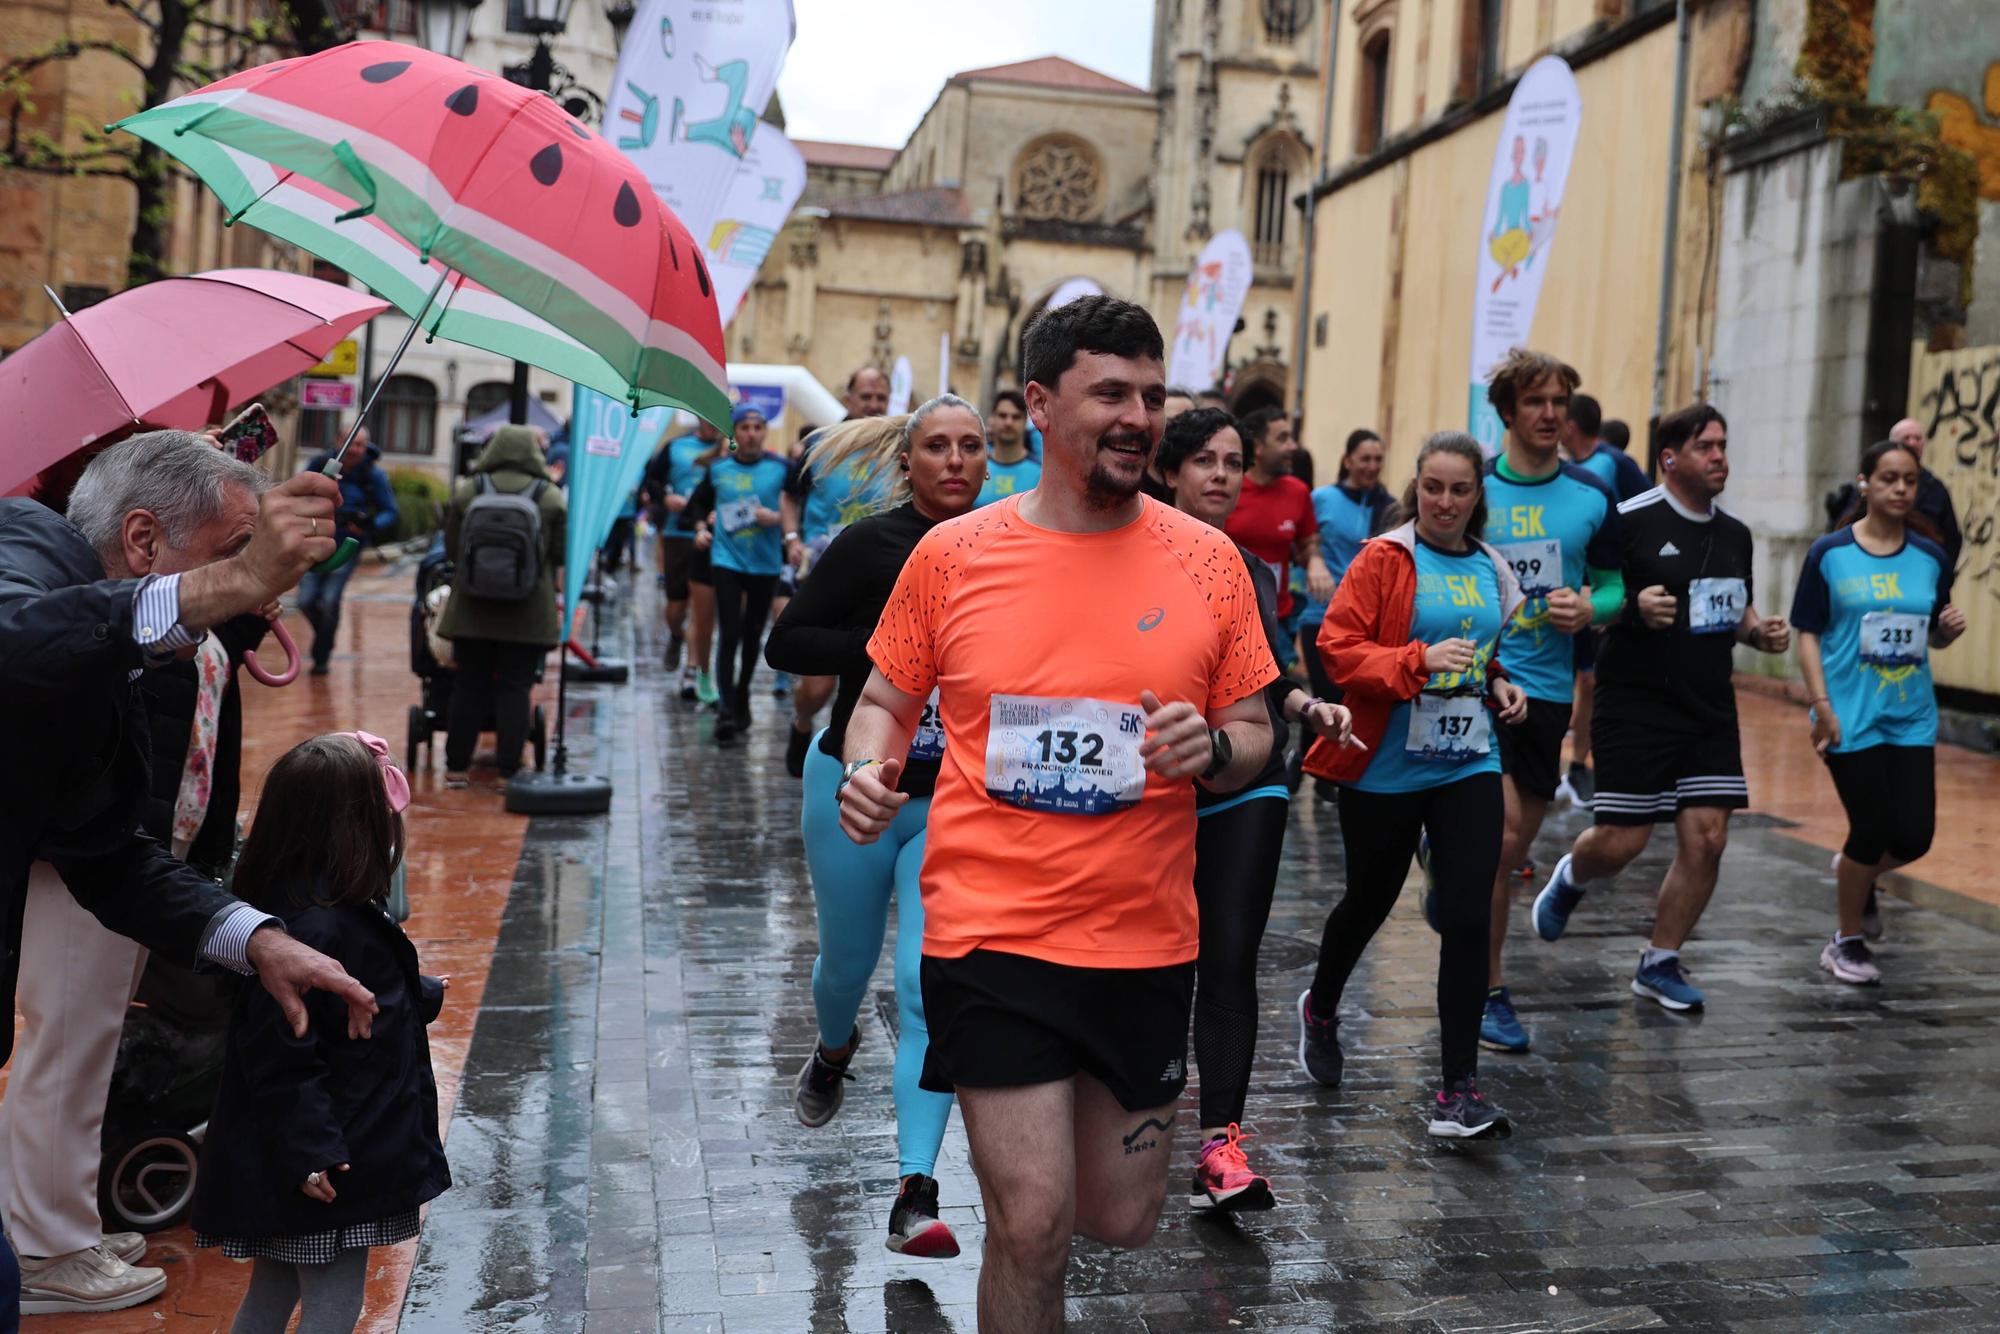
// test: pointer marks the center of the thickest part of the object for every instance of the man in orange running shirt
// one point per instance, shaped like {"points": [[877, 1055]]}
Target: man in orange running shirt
{"points": [[1092, 651]]}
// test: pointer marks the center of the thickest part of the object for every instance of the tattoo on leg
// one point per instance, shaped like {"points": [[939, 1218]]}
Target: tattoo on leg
{"points": [[1144, 1136]]}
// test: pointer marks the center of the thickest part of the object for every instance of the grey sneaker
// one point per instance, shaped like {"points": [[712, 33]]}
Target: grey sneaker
{"points": [[127, 1246], [822, 1085], [1851, 961], [86, 1280]]}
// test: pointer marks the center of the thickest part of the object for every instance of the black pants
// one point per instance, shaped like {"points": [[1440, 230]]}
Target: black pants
{"points": [[1380, 831], [1235, 871], [742, 605], [1890, 793], [494, 678], [1316, 673], [620, 547]]}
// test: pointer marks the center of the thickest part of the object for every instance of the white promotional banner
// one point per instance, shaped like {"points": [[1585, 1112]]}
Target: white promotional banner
{"points": [[944, 363], [1216, 288], [1070, 291], [1523, 200], [760, 196], [693, 77], [902, 384]]}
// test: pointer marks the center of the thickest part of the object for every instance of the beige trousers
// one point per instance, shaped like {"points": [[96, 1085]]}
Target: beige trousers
{"points": [[76, 980]]}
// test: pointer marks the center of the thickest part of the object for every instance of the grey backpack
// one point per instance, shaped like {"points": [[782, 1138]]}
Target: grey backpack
{"points": [[500, 543]]}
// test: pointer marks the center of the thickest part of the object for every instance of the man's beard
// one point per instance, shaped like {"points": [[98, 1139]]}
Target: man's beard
{"points": [[1106, 490]]}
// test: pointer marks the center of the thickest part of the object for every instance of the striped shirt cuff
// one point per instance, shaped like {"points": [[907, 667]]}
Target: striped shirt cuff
{"points": [[226, 941], [156, 617]]}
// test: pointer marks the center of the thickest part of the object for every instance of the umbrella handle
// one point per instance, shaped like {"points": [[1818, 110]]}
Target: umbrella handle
{"points": [[348, 546], [263, 675]]}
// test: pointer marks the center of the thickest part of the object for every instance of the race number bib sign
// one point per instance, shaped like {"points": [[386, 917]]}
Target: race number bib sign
{"points": [[1069, 756], [1447, 729], [1538, 565], [928, 743], [1716, 606], [1893, 638], [737, 515]]}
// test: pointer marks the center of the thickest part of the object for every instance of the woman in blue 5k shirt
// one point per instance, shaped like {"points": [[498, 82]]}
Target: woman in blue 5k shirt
{"points": [[736, 517], [1350, 510], [1873, 598]]}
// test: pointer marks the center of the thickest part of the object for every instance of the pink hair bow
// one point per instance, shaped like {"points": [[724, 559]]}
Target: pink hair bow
{"points": [[394, 781]]}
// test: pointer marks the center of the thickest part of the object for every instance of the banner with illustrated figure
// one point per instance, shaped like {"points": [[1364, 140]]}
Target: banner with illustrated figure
{"points": [[693, 77], [760, 196], [1523, 200], [609, 447], [1216, 289]]}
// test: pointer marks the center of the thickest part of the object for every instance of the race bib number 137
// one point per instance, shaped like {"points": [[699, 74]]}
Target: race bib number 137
{"points": [[1068, 756]]}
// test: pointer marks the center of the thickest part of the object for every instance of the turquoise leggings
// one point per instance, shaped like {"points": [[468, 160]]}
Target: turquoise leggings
{"points": [[852, 887]]}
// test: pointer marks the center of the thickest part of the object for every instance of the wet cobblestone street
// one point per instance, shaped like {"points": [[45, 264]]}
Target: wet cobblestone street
{"points": [[1804, 1156]]}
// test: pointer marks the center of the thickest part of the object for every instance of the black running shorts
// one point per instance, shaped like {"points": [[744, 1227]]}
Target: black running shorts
{"points": [[700, 571], [1654, 759], [1004, 1020], [676, 560], [1531, 750]]}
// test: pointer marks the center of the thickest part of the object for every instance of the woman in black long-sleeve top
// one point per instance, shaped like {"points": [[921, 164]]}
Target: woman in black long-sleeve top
{"points": [[940, 454]]}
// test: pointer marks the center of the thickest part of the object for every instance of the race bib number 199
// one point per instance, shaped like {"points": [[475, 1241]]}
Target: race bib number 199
{"points": [[1538, 565], [1069, 756]]}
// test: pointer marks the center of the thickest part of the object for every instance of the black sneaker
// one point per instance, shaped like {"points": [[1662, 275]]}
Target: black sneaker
{"points": [[1459, 1112], [1319, 1045], [796, 748], [672, 657], [822, 1084], [914, 1226], [1871, 916], [725, 728]]}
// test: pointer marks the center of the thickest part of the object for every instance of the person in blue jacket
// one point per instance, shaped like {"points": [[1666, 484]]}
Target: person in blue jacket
{"points": [[1874, 597], [367, 513]]}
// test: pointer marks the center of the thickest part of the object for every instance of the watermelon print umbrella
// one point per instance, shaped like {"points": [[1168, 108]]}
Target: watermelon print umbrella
{"points": [[546, 243]]}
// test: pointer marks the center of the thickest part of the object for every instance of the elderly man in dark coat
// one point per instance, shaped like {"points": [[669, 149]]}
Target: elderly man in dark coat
{"points": [[72, 644]]}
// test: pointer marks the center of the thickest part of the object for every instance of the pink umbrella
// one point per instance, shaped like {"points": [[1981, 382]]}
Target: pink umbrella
{"points": [[179, 352]]}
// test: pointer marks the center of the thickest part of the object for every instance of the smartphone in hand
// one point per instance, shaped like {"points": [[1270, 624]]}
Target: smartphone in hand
{"points": [[249, 435]]}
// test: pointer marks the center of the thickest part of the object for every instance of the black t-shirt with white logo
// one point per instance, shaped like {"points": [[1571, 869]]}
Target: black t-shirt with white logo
{"points": [[1704, 561]]}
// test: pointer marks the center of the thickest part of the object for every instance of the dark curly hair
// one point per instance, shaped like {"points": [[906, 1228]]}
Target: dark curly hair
{"points": [[1187, 433]]}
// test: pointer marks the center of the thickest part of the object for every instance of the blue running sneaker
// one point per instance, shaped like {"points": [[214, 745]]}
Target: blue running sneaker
{"points": [[1500, 1028], [1556, 902], [1667, 984], [1430, 885]]}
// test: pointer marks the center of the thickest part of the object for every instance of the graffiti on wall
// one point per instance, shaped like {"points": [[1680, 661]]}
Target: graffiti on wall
{"points": [[1956, 395]]}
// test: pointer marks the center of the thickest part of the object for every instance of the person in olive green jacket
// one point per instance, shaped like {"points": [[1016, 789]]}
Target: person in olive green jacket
{"points": [[499, 643]]}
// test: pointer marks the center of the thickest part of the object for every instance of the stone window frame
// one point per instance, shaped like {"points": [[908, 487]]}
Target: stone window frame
{"points": [[1092, 210]]}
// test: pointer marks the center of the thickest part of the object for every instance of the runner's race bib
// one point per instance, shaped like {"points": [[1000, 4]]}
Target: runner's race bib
{"points": [[1447, 729], [737, 515], [1538, 565], [1894, 638], [1716, 606], [1069, 756], [928, 743]]}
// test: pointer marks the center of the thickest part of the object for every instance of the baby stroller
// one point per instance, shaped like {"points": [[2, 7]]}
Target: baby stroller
{"points": [[162, 1086], [429, 717]]}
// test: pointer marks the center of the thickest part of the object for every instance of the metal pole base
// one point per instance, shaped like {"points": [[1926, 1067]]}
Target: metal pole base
{"points": [[530, 793], [602, 671]]}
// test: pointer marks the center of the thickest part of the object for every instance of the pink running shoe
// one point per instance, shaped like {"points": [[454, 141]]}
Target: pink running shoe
{"points": [[1223, 1179]]}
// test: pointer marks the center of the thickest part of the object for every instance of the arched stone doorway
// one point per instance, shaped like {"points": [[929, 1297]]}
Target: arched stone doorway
{"points": [[1258, 385]]}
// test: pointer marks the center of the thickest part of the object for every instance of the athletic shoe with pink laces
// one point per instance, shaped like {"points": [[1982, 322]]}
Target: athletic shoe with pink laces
{"points": [[1223, 1180]]}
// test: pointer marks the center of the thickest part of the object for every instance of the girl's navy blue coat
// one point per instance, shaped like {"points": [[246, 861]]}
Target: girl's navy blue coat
{"points": [[291, 1106]]}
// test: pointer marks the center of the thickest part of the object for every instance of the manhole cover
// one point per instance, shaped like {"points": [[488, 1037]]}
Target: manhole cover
{"points": [[1287, 954]]}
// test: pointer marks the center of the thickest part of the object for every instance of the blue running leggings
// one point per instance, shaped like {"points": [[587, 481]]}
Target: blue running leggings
{"points": [[852, 887]]}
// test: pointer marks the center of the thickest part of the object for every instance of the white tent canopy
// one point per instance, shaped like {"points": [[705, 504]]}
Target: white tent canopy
{"points": [[812, 402]]}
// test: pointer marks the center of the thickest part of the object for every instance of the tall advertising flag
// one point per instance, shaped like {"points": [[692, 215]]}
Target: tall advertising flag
{"points": [[768, 181], [1216, 289], [609, 447], [693, 77], [1523, 199]]}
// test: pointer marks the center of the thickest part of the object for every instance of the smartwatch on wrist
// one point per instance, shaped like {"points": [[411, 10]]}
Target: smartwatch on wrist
{"points": [[1220, 752]]}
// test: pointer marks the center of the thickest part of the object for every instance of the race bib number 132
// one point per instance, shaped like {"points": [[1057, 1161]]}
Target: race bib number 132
{"points": [[1068, 756]]}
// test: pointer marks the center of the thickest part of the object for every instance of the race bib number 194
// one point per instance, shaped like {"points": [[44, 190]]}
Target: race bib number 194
{"points": [[1068, 756], [1716, 606]]}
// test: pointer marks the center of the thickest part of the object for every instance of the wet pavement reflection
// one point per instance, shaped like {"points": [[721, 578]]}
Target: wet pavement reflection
{"points": [[1803, 1156]]}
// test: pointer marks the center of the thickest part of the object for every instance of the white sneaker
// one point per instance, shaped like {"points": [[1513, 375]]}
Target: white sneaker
{"points": [[1849, 960], [127, 1246], [86, 1280]]}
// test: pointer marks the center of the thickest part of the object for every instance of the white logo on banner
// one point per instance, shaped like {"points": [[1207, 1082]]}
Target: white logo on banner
{"points": [[1523, 199], [1216, 288]]}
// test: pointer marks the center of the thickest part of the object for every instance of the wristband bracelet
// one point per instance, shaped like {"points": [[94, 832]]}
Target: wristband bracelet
{"points": [[847, 776]]}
